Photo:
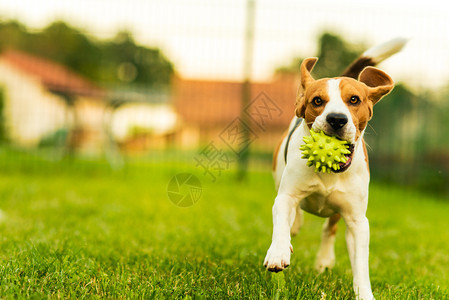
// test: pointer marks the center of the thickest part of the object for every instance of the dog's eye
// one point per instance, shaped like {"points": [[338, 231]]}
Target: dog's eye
{"points": [[317, 101], [354, 100]]}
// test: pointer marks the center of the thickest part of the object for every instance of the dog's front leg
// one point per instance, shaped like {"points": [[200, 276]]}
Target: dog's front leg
{"points": [[357, 240], [284, 211]]}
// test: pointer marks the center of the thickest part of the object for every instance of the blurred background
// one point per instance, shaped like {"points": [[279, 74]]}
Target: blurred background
{"points": [[211, 85]]}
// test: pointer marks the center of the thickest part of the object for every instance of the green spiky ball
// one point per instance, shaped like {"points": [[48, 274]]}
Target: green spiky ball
{"points": [[324, 152]]}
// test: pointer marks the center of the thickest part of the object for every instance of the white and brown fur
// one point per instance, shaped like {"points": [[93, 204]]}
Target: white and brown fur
{"points": [[340, 107]]}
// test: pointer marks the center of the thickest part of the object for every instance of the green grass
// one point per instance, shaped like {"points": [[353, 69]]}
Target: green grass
{"points": [[82, 231]]}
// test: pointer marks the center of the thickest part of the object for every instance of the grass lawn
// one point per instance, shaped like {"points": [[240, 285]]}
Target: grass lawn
{"points": [[89, 232]]}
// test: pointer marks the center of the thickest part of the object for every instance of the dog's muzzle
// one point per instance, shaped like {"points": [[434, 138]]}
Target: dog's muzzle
{"points": [[337, 120]]}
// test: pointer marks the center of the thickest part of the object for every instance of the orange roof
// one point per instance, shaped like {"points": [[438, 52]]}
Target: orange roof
{"points": [[54, 76], [208, 103]]}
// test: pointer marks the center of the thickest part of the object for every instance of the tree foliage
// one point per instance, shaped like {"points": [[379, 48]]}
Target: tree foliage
{"points": [[334, 54], [120, 60]]}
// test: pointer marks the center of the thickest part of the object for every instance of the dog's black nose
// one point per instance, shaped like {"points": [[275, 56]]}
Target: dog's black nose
{"points": [[337, 120]]}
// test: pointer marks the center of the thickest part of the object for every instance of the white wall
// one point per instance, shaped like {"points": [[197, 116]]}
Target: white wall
{"points": [[159, 119], [30, 111]]}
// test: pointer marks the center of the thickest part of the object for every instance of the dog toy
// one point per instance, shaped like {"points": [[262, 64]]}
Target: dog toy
{"points": [[324, 152]]}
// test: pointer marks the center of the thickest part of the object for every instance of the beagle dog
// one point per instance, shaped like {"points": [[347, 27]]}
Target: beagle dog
{"points": [[340, 107]]}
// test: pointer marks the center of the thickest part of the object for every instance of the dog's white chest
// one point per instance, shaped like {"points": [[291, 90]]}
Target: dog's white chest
{"points": [[318, 205], [326, 198], [328, 194]]}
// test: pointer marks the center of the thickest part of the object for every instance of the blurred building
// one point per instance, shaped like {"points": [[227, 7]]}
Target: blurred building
{"points": [[143, 119], [207, 108], [46, 103]]}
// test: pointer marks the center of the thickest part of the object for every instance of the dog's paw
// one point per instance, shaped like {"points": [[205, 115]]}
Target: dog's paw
{"points": [[324, 261], [278, 257], [365, 295]]}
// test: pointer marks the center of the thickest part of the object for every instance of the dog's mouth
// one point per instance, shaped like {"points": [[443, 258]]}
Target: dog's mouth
{"points": [[347, 164]]}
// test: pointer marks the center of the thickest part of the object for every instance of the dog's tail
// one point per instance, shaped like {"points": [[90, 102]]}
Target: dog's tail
{"points": [[373, 56]]}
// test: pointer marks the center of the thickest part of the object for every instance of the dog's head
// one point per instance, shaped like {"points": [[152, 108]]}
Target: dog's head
{"points": [[340, 106]]}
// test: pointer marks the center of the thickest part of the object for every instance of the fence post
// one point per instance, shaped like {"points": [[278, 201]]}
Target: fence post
{"points": [[246, 88]]}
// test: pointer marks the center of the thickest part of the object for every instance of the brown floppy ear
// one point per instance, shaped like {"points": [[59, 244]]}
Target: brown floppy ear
{"points": [[306, 79], [378, 82], [306, 67]]}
